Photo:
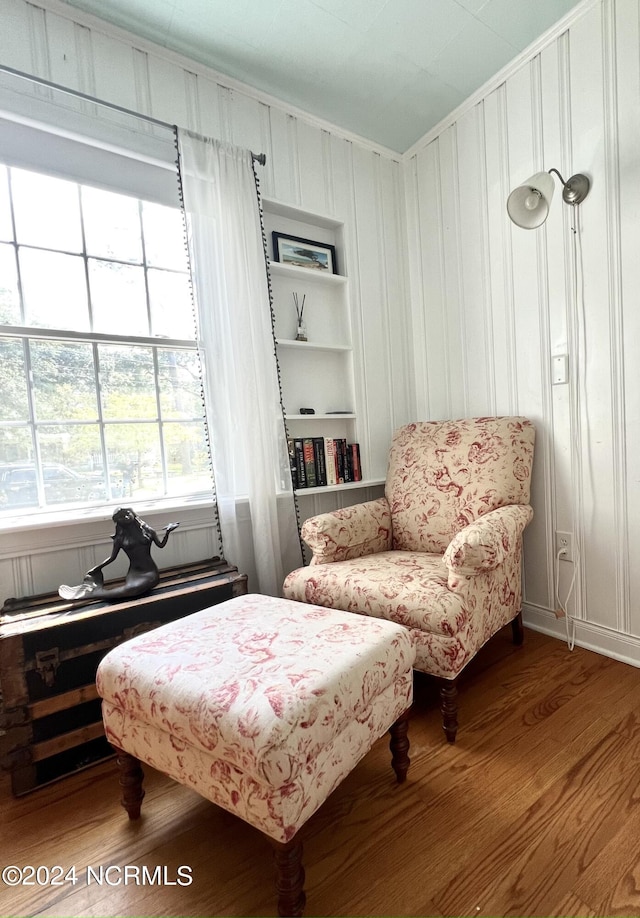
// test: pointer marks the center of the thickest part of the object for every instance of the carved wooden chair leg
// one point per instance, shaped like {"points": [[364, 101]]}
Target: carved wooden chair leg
{"points": [[449, 708], [131, 777], [517, 629], [289, 877], [399, 746]]}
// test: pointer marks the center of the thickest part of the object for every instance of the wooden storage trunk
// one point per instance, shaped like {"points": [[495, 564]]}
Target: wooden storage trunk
{"points": [[50, 650]]}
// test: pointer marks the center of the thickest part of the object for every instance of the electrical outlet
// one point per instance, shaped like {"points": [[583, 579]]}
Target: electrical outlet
{"points": [[564, 543]]}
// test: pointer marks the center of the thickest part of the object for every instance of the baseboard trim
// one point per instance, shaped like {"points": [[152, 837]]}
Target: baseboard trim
{"points": [[623, 647]]}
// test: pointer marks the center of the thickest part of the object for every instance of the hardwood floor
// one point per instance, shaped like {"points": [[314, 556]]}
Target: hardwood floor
{"points": [[534, 811]]}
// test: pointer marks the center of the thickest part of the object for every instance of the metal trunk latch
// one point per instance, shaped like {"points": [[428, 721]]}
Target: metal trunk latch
{"points": [[47, 662]]}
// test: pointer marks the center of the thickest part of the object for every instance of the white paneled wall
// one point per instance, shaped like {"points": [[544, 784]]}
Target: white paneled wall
{"points": [[492, 303], [309, 164]]}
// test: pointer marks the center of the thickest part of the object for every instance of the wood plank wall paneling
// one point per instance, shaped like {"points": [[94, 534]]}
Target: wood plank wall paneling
{"points": [[433, 351], [401, 382], [627, 29], [451, 251], [598, 357], [308, 165], [15, 35], [516, 298], [613, 230], [114, 70], [475, 304], [499, 262]]}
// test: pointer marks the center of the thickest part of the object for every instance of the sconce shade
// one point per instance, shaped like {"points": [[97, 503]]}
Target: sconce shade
{"points": [[528, 205]]}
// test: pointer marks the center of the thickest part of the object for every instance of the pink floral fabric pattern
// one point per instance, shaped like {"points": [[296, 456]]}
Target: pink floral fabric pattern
{"points": [[487, 543], [457, 496], [443, 475], [352, 532], [261, 705]]}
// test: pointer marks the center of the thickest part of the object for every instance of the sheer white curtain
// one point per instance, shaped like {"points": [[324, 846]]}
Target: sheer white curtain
{"points": [[242, 395]]}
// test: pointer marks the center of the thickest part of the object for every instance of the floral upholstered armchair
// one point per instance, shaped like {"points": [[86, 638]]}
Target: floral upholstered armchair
{"points": [[441, 552]]}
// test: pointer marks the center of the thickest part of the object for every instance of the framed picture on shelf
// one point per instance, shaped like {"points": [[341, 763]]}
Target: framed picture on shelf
{"points": [[304, 253]]}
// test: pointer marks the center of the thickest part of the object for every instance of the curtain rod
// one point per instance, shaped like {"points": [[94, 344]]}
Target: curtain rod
{"points": [[260, 158]]}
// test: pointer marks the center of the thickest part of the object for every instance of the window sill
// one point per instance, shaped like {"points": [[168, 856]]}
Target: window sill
{"points": [[52, 519]]}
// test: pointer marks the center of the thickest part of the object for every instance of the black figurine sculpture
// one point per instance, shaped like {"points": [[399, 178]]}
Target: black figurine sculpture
{"points": [[135, 538]]}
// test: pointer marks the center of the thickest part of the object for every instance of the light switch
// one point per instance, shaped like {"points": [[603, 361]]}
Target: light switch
{"points": [[560, 369]]}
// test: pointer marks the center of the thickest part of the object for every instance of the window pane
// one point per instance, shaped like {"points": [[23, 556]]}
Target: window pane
{"points": [[189, 470], [118, 298], [127, 383], [54, 290], [9, 295], [16, 464], [71, 463], [18, 486], [47, 211], [136, 448], [16, 445], [111, 225], [83, 422], [164, 239], [14, 404], [122, 475], [180, 390], [171, 309], [6, 229], [64, 382]]}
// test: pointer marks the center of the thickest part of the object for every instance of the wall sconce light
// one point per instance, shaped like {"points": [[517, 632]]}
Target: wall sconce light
{"points": [[528, 205]]}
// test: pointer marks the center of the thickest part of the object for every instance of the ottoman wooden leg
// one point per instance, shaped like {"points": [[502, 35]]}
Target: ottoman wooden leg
{"points": [[399, 746], [289, 877], [131, 777]]}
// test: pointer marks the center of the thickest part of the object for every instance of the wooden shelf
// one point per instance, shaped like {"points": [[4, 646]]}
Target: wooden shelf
{"points": [[306, 274], [312, 345], [320, 417], [293, 212], [349, 486]]}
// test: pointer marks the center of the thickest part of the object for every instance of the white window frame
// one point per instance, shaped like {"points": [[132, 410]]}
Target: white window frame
{"points": [[27, 144]]}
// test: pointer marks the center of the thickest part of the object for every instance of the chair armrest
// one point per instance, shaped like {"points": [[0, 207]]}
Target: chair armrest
{"points": [[351, 532], [486, 543]]}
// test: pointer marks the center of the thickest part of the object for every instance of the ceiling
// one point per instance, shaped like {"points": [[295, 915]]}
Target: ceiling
{"points": [[388, 70]]}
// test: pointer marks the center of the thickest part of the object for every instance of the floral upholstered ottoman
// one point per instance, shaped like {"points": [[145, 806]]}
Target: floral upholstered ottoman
{"points": [[262, 706]]}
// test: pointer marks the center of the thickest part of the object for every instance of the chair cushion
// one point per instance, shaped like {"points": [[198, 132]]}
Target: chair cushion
{"points": [[449, 616], [262, 684], [443, 475], [406, 587]]}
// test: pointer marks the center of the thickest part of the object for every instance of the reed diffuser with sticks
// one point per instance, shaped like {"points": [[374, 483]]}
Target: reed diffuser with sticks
{"points": [[302, 329]]}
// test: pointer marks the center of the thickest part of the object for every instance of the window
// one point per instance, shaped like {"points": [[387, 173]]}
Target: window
{"points": [[100, 391]]}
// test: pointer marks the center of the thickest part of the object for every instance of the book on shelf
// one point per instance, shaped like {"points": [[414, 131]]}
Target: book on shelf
{"points": [[318, 455], [346, 471], [309, 462], [339, 462], [354, 458], [330, 460], [293, 465], [301, 473], [322, 461]]}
